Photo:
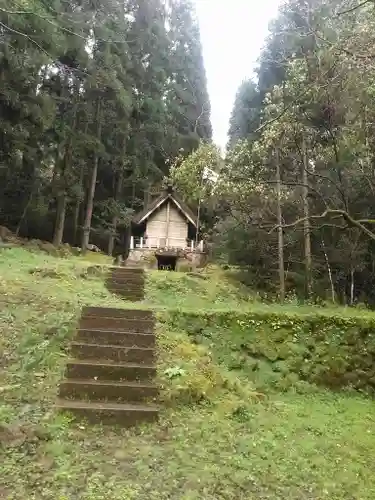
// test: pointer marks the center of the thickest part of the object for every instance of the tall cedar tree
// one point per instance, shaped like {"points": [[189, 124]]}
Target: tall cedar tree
{"points": [[245, 116], [189, 96], [90, 114]]}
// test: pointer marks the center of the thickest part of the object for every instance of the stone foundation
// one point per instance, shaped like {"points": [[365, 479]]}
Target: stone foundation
{"points": [[146, 258]]}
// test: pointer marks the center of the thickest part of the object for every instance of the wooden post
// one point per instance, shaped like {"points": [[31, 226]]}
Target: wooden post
{"points": [[198, 222], [167, 228], [131, 242], [199, 208], [192, 245], [141, 243]]}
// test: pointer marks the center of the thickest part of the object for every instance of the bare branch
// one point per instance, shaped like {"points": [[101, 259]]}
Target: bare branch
{"points": [[342, 49], [49, 21], [63, 28], [352, 9], [348, 219], [50, 56], [8, 28], [280, 115], [327, 178], [301, 184], [366, 221]]}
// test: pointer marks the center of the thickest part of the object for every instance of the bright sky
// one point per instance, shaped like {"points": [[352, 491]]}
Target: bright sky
{"points": [[232, 32]]}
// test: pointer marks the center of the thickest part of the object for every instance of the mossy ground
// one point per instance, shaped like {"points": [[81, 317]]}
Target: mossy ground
{"points": [[217, 437]]}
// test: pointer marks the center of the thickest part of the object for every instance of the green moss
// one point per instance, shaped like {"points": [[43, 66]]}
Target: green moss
{"points": [[325, 350]]}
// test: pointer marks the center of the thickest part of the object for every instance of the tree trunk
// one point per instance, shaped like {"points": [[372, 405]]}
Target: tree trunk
{"points": [[80, 198], [112, 235], [24, 213], [111, 240], [91, 193], [60, 219], [280, 230], [306, 224], [77, 206], [329, 270], [146, 195], [65, 168], [351, 286]]}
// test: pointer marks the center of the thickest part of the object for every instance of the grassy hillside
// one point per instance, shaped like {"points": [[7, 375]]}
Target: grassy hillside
{"points": [[207, 289], [219, 437], [215, 289]]}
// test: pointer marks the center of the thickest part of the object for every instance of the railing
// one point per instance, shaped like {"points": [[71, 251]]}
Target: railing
{"points": [[165, 243]]}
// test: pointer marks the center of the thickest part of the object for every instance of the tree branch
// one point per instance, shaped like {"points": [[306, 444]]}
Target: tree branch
{"points": [[301, 184], [342, 213], [291, 104], [67, 30], [327, 178], [352, 9], [8, 28]]}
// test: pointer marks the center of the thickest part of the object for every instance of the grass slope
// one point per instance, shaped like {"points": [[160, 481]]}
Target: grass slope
{"points": [[213, 289], [217, 438]]}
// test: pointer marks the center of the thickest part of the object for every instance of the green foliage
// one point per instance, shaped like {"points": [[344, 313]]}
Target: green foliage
{"points": [[173, 372], [195, 176], [93, 107], [245, 117], [278, 350], [187, 373], [188, 97], [308, 117]]}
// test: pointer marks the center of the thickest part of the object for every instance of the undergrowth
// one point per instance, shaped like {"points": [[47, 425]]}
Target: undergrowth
{"points": [[219, 435]]}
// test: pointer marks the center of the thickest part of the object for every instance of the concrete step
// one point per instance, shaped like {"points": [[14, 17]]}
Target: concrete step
{"points": [[124, 285], [107, 390], [135, 270], [109, 413], [130, 298], [128, 271], [131, 285], [120, 290], [105, 370], [111, 312], [105, 337], [115, 353], [127, 276], [123, 278], [127, 294], [117, 324]]}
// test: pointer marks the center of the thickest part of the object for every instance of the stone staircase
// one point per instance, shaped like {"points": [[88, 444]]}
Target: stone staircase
{"points": [[111, 376], [127, 282]]}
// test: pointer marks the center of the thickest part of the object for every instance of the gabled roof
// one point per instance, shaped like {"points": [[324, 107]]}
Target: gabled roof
{"points": [[150, 209]]}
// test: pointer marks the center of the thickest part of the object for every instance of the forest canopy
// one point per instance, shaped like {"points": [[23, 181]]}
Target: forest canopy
{"points": [[97, 99], [104, 101], [301, 154]]}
